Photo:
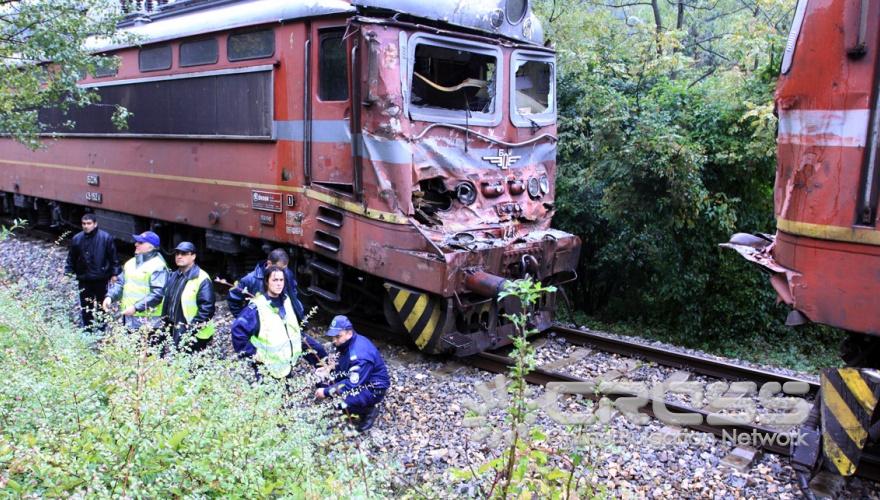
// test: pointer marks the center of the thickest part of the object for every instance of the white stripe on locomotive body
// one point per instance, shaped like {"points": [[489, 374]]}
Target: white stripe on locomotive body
{"points": [[826, 127], [486, 16], [447, 151]]}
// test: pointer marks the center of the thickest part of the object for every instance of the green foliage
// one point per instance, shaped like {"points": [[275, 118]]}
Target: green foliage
{"points": [[7, 232], [667, 147], [110, 418], [528, 466], [42, 56]]}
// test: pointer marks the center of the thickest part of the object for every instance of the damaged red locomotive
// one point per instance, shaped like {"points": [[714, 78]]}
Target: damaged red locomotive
{"points": [[404, 151], [824, 260]]}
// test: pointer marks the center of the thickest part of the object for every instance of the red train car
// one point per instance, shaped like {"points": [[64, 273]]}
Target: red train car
{"points": [[405, 151], [824, 260]]}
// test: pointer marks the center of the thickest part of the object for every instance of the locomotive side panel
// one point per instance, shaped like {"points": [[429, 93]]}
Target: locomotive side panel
{"points": [[826, 191]]}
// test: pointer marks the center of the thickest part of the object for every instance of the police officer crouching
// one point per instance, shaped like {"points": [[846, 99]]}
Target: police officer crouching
{"points": [[188, 299], [360, 377]]}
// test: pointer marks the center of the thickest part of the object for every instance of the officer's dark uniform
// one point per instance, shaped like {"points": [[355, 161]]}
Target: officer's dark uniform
{"points": [[247, 325], [253, 284], [360, 376]]}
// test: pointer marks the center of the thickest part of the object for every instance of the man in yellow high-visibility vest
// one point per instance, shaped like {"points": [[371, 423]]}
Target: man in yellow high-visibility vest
{"points": [[139, 288], [188, 303]]}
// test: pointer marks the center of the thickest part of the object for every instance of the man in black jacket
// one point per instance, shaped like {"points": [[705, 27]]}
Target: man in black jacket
{"points": [[92, 259], [188, 303]]}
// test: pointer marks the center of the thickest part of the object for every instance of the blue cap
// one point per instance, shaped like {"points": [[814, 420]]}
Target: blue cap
{"points": [[147, 237], [185, 246], [338, 325]]}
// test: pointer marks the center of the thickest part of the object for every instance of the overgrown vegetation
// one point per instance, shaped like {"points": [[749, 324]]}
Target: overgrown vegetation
{"points": [[526, 464], [112, 419], [666, 148]]}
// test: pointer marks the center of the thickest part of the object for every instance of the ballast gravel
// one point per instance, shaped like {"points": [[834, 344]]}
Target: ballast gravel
{"points": [[437, 428]]}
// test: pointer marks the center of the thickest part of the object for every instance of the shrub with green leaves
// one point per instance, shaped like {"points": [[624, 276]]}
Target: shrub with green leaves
{"points": [[109, 417]]}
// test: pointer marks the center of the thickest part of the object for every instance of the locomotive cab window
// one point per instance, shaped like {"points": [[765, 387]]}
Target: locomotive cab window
{"points": [[198, 52], [454, 81], [250, 45], [106, 66], [332, 66], [533, 99], [155, 58]]}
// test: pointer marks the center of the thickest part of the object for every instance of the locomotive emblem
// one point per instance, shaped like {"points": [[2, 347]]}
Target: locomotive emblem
{"points": [[503, 160]]}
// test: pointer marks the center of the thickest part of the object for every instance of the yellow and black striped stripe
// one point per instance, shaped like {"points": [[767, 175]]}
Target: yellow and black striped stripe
{"points": [[849, 400], [420, 314]]}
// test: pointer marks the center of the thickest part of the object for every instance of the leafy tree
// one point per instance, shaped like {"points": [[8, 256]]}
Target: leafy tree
{"points": [[43, 54]]}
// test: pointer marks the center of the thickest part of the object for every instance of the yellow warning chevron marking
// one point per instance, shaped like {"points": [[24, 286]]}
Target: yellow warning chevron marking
{"points": [[859, 388], [428, 332], [842, 413], [416, 313], [838, 458], [400, 299]]}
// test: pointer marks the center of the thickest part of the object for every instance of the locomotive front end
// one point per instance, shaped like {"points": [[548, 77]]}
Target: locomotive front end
{"points": [[466, 127]]}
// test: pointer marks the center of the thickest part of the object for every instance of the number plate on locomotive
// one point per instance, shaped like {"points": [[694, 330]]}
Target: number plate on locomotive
{"points": [[94, 197], [266, 201]]}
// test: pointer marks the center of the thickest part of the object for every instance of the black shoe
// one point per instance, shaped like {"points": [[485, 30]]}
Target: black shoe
{"points": [[368, 419]]}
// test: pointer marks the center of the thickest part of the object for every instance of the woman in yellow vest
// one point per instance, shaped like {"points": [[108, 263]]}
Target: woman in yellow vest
{"points": [[139, 288], [268, 332], [188, 303]]}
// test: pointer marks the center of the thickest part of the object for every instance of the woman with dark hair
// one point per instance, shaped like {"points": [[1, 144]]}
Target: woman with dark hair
{"points": [[268, 332]]}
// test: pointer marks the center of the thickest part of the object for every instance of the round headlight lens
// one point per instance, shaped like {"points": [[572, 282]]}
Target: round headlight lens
{"points": [[516, 10], [534, 188], [545, 184], [466, 193]]}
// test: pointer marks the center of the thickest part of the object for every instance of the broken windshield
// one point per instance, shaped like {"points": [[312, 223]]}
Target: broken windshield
{"points": [[454, 82], [532, 100]]}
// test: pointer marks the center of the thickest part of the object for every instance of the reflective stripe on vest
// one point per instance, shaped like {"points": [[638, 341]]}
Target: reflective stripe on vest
{"points": [[279, 342], [188, 302], [137, 284]]}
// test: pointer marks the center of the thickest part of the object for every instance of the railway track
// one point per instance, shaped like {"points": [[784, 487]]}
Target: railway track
{"points": [[767, 438]]}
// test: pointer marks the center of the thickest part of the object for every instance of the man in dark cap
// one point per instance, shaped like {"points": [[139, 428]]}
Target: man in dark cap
{"points": [[139, 288], [188, 299], [92, 259], [359, 378]]}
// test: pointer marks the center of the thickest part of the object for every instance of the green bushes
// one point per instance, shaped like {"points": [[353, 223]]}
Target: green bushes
{"points": [[112, 419]]}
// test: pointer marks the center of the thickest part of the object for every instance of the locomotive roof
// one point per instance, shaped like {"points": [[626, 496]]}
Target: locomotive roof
{"points": [[193, 17]]}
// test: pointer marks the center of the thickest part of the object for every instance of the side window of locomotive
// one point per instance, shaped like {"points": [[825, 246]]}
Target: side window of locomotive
{"points": [[332, 66], [198, 52], [250, 45], [106, 66], [155, 58], [453, 79], [532, 89]]}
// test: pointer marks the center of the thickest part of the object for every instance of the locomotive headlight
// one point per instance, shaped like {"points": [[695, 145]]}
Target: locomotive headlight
{"points": [[466, 193], [534, 187], [516, 10], [545, 184]]}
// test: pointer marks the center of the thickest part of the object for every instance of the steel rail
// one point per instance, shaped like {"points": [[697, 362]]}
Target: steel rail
{"points": [[768, 438], [668, 357]]}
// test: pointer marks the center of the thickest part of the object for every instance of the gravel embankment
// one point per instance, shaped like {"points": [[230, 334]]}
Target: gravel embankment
{"points": [[422, 434]]}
